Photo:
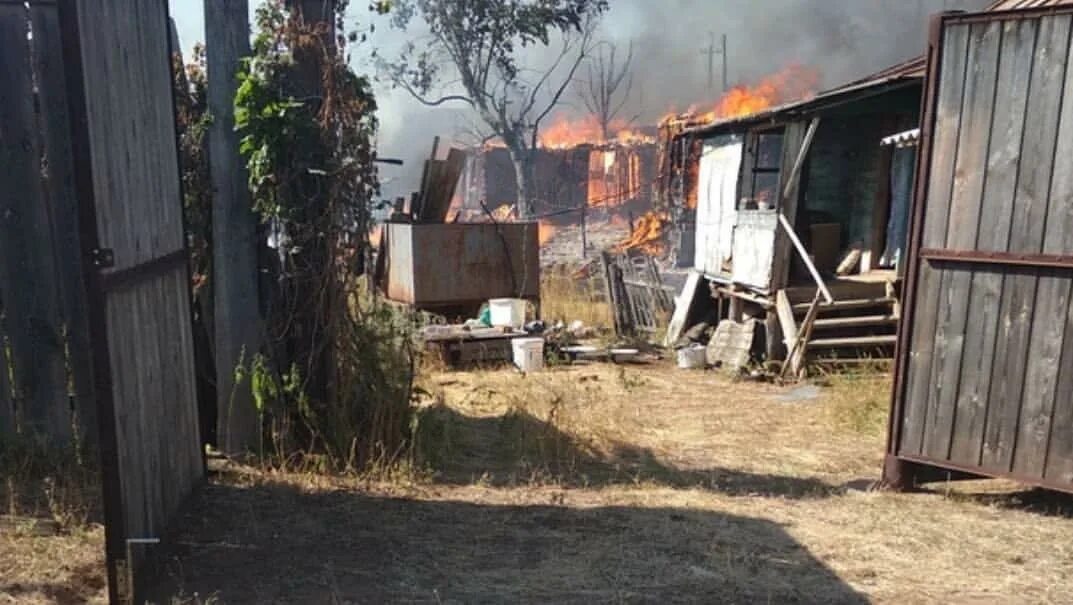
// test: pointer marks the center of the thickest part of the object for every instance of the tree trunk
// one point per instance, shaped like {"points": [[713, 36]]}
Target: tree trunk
{"points": [[524, 159]]}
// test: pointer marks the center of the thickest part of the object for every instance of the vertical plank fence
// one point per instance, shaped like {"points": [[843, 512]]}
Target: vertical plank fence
{"points": [[95, 325], [120, 95], [984, 383], [45, 390]]}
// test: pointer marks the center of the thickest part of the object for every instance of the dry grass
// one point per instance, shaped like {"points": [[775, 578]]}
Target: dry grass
{"points": [[563, 296], [859, 402], [627, 484], [51, 547], [68, 568]]}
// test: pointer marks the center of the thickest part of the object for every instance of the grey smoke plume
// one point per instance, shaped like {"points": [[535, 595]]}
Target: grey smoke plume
{"points": [[842, 39]]}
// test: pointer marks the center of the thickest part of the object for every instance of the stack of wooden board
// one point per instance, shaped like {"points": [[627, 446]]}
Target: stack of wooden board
{"points": [[438, 181]]}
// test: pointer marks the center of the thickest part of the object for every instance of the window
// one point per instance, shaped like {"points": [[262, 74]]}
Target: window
{"points": [[760, 182]]}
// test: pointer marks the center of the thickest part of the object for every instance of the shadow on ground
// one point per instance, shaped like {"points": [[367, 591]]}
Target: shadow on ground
{"points": [[84, 582], [277, 543], [1037, 501], [518, 448], [274, 543]]}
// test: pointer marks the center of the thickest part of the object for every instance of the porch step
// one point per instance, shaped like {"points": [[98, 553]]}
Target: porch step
{"points": [[862, 321], [844, 305], [854, 341]]}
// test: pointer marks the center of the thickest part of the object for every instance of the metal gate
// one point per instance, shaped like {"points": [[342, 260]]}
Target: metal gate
{"points": [[118, 80], [984, 382]]}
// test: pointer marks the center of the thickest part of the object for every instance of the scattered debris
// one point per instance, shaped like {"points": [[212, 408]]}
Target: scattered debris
{"points": [[464, 344], [732, 344], [692, 357], [849, 262], [685, 307], [636, 292]]}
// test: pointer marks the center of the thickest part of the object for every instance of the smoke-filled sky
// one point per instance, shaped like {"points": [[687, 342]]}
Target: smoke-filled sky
{"points": [[841, 39]]}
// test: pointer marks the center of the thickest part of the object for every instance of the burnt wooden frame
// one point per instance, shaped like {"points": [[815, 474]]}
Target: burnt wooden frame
{"points": [[901, 469]]}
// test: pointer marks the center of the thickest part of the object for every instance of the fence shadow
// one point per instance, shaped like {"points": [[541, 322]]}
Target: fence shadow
{"points": [[1038, 501], [280, 543], [518, 447]]}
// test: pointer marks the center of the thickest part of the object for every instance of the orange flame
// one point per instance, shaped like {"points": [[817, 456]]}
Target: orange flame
{"points": [[566, 133], [545, 232], [792, 83], [614, 177], [647, 235]]}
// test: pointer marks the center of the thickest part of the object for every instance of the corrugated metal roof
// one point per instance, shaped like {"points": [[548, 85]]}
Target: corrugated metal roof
{"points": [[1009, 5], [902, 139], [907, 70], [904, 72]]}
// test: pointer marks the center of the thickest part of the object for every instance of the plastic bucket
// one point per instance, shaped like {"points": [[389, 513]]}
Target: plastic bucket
{"points": [[528, 353], [508, 312], [692, 358]]}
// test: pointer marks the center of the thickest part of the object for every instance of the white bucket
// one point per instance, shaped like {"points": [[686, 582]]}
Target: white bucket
{"points": [[508, 312], [691, 358], [528, 353]]}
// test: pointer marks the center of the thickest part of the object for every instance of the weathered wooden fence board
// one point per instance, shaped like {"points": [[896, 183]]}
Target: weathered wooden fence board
{"points": [[1036, 163], [28, 276], [127, 172], [1011, 95], [63, 211], [985, 385], [963, 224], [1059, 240], [7, 404], [947, 129], [89, 164], [127, 80]]}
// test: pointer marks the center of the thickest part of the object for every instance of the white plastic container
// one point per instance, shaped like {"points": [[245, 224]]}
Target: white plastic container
{"points": [[507, 312], [528, 354], [692, 358]]}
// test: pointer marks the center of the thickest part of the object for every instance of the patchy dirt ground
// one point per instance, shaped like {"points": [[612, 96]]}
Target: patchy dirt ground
{"points": [[65, 568], [624, 484]]}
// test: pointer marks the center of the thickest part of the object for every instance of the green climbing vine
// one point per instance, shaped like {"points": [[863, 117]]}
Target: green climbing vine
{"points": [[333, 384]]}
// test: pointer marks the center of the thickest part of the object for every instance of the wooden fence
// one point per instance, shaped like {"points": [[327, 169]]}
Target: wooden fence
{"points": [[94, 283], [45, 370], [985, 369]]}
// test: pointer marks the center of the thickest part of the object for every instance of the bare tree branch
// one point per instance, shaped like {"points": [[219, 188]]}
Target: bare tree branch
{"points": [[480, 41], [607, 89]]}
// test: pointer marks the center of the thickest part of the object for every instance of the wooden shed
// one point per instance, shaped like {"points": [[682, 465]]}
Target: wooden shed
{"points": [[784, 195], [984, 375]]}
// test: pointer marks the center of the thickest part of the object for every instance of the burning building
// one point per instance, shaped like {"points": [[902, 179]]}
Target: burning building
{"points": [[572, 173], [797, 210]]}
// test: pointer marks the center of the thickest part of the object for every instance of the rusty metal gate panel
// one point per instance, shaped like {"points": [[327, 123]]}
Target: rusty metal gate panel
{"points": [[119, 87], [984, 380]]}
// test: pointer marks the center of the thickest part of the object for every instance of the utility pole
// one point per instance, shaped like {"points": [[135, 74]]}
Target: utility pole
{"points": [[711, 50], [234, 228], [726, 85]]}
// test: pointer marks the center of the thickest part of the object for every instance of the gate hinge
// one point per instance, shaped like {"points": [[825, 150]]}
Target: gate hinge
{"points": [[103, 258]]}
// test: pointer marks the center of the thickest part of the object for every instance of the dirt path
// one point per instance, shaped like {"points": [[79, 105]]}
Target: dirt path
{"points": [[600, 484]]}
